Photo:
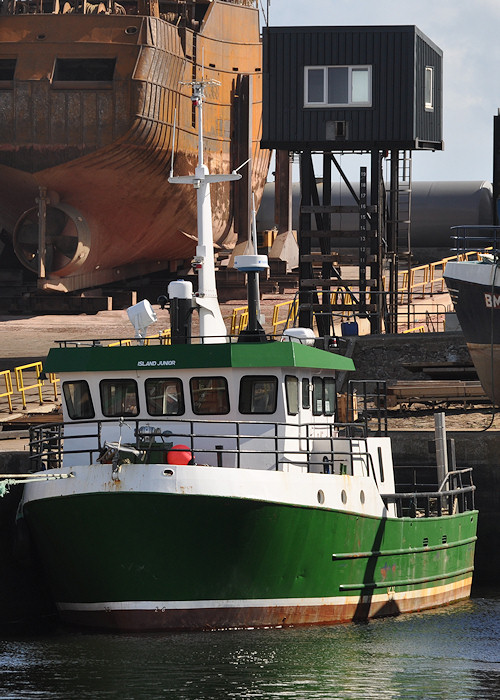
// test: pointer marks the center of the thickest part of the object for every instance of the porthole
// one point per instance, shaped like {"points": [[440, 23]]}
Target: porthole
{"points": [[41, 37], [131, 30], [321, 497], [362, 496], [168, 472], [343, 496]]}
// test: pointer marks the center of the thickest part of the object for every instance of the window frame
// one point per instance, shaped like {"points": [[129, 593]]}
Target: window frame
{"points": [[350, 103], [318, 387], [429, 88], [224, 386], [292, 381], [305, 391], [180, 395], [120, 381], [71, 413], [248, 394], [322, 388], [329, 392]]}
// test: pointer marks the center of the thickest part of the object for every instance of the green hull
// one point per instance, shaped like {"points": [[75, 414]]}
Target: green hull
{"points": [[150, 560]]}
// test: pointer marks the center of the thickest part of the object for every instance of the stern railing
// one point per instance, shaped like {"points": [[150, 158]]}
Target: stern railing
{"points": [[454, 495]]}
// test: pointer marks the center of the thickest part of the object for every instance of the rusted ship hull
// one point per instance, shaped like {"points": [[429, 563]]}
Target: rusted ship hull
{"points": [[86, 142]]}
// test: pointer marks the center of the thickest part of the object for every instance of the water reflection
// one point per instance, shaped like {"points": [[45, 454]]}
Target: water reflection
{"points": [[452, 653]]}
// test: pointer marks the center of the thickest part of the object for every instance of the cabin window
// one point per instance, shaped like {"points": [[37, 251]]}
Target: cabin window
{"points": [[306, 394], [7, 69], [324, 396], [337, 86], [209, 395], [292, 395], [93, 70], [330, 395], [317, 405], [78, 400], [119, 397], [164, 397], [429, 88], [258, 394]]}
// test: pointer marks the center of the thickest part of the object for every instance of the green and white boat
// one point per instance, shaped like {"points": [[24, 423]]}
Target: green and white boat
{"points": [[205, 484]]}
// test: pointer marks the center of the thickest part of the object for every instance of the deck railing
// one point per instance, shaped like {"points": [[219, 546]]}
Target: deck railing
{"points": [[278, 441], [454, 495], [343, 451], [475, 240]]}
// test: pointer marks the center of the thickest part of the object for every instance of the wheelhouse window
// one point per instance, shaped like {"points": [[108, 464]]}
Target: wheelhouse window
{"points": [[93, 70], [78, 400], [330, 395], [119, 397], [317, 397], [209, 395], [324, 396], [429, 88], [164, 397], [292, 395], [258, 394], [306, 393], [337, 86]]}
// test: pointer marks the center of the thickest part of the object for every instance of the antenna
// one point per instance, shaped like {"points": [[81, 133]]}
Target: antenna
{"points": [[212, 326]]}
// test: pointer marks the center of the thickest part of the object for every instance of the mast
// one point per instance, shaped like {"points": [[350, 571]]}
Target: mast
{"points": [[212, 326]]}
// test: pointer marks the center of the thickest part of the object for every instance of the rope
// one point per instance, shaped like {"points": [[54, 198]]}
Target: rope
{"points": [[14, 479]]}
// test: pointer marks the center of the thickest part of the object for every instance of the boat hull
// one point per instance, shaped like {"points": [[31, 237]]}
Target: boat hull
{"points": [[150, 561], [101, 151], [475, 291]]}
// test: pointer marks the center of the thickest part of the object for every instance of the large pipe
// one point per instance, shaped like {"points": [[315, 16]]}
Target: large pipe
{"points": [[435, 207]]}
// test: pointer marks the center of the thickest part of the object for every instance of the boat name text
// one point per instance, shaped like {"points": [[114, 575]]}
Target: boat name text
{"points": [[492, 300], [156, 363]]}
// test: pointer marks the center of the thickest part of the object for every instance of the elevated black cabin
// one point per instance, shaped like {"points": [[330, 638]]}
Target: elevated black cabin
{"points": [[351, 88]]}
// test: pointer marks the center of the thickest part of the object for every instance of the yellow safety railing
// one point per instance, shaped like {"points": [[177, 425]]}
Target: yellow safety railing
{"points": [[22, 387], [239, 320], [417, 329], [291, 312], [164, 335], [120, 343], [345, 298], [424, 278], [151, 337], [8, 387], [54, 380], [167, 336]]}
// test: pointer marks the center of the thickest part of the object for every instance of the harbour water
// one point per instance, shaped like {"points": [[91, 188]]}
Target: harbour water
{"points": [[451, 653]]}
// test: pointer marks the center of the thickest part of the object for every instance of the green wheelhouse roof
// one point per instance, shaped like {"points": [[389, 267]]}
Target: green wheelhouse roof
{"points": [[175, 357]]}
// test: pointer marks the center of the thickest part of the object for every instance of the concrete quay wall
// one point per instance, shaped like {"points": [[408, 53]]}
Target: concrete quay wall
{"points": [[24, 597], [382, 357]]}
